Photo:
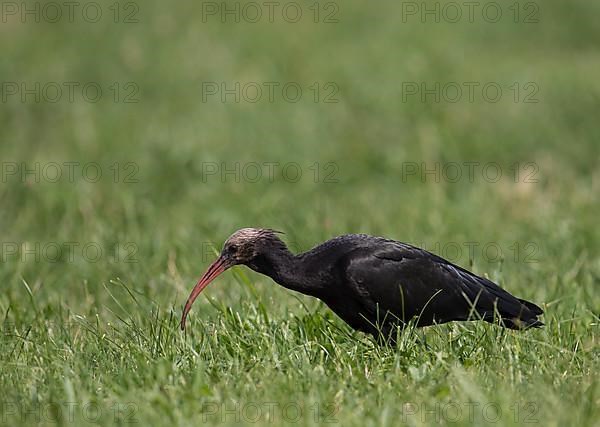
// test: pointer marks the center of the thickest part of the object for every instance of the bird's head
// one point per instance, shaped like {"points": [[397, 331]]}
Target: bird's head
{"points": [[242, 247]]}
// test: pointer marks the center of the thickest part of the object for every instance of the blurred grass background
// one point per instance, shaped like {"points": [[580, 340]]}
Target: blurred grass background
{"points": [[174, 212]]}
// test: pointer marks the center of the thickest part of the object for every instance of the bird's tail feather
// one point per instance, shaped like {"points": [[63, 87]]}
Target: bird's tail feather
{"points": [[524, 317]]}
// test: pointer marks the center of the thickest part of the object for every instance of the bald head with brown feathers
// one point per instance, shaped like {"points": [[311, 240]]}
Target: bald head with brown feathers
{"points": [[242, 247]]}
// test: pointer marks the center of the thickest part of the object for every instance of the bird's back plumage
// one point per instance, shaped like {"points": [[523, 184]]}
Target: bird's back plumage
{"points": [[387, 283]]}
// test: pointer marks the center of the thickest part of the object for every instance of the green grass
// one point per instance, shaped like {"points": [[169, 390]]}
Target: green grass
{"points": [[96, 340]]}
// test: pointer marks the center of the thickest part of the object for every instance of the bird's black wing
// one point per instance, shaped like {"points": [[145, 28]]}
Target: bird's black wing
{"points": [[407, 282]]}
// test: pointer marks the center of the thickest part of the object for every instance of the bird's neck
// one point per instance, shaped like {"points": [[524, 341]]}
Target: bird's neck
{"points": [[288, 270]]}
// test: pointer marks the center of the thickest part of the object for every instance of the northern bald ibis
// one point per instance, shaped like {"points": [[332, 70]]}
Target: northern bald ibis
{"points": [[374, 284]]}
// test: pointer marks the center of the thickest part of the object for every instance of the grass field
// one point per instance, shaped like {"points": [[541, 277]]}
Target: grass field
{"points": [[131, 150]]}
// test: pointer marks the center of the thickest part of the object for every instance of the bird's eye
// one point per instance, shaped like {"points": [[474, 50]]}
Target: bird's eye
{"points": [[233, 248]]}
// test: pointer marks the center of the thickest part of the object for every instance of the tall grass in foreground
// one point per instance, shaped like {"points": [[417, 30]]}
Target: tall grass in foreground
{"points": [[245, 365]]}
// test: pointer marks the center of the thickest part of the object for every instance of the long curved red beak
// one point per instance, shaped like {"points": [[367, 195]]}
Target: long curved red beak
{"points": [[220, 265]]}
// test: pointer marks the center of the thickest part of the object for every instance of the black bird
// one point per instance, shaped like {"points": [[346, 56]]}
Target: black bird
{"points": [[374, 284]]}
